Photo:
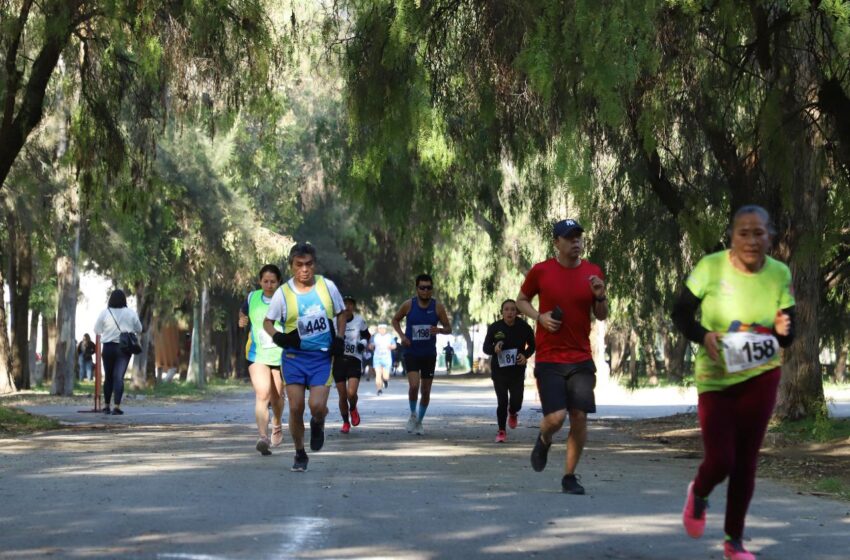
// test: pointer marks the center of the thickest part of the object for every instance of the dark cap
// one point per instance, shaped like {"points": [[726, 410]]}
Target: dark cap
{"points": [[349, 298], [566, 228]]}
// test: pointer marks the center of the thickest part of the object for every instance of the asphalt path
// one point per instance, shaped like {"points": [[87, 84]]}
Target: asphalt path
{"points": [[182, 481]]}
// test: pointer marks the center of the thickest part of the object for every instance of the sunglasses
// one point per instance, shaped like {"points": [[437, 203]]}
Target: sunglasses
{"points": [[425, 288]]}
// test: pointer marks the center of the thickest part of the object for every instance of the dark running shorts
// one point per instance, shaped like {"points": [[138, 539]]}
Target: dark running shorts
{"points": [[425, 365], [345, 368], [566, 386]]}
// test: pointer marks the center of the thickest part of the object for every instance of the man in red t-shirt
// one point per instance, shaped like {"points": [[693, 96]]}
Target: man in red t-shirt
{"points": [[568, 290]]}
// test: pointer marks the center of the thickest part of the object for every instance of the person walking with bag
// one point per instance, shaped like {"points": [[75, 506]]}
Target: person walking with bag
{"points": [[117, 326]]}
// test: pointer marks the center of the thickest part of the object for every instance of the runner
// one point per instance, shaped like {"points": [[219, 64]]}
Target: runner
{"points": [[510, 342], [382, 359], [263, 357], [747, 312], [569, 290], [306, 305], [348, 368], [419, 338]]}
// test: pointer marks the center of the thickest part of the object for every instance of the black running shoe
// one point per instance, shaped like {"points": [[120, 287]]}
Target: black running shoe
{"points": [[107, 410], [117, 411], [301, 460], [386, 383], [317, 434], [570, 485], [539, 454]]}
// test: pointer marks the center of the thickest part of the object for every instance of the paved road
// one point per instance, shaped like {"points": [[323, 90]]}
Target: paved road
{"points": [[183, 482]]}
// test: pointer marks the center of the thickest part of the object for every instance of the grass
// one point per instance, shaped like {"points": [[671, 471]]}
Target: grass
{"points": [[818, 429], [189, 391], [16, 422], [834, 486]]}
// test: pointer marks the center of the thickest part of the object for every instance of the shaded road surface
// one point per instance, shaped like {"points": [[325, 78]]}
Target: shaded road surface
{"points": [[183, 482]]}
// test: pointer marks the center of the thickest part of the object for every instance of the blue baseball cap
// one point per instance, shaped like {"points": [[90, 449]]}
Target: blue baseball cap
{"points": [[566, 228]]}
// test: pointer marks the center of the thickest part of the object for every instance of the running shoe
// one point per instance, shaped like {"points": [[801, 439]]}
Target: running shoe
{"points": [[263, 445], [540, 454], [380, 392], [570, 485], [317, 434], [355, 417], [386, 383], [693, 514], [501, 436], [107, 410], [512, 421], [411, 423], [117, 411], [277, 435], [346, 427], [420, 429], [733, 549], [301, 460]]}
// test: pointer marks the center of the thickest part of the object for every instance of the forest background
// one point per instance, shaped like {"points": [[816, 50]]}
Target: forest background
{"points": [[175, 147]]}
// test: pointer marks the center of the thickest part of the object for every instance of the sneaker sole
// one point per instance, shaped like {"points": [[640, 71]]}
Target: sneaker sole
{"points": [[298, 469]]}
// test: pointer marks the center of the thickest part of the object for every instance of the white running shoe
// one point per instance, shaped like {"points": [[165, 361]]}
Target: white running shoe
{"points": [[420, 431], [411, 423]]}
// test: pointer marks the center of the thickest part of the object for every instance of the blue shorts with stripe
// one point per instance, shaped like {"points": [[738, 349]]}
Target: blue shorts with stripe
{"points": [[306, 368]]}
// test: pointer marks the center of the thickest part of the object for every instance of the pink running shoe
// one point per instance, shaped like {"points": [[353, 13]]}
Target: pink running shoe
{"points": [[512, 421], [501, 437], [277, 435], [355, 417], [693, 515], [346, 427], [734, 550]]}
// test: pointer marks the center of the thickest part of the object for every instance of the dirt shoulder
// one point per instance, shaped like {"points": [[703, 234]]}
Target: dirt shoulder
{"points": [[789, 454]]}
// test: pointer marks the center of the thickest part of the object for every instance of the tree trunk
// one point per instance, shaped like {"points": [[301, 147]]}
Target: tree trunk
{"points": [[66, 322], [649, 357], [675, 349], [197, 358], [840, 374], [463, 326], [597, 345], [633, 370], [144, 302], [20, 286], [36, 372], [45, 349], [52, 338], [7, 382], [619, 346]]}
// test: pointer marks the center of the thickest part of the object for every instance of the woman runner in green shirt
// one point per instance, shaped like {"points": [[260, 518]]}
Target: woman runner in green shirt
{"points": [[747, 309]]}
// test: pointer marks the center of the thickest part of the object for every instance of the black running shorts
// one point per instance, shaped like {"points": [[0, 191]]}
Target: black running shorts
{"points": [[566, 386], [425, 365], [345, 368]]}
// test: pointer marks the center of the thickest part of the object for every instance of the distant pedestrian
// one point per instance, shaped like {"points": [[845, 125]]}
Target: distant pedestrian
{"points": [[510, 342], [449, 353], [117, 318], [746, 308], [85, 357]]}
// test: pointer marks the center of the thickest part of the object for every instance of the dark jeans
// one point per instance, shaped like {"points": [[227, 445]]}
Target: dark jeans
{"points": [[733, 423], [509, 393], [115, 364]]}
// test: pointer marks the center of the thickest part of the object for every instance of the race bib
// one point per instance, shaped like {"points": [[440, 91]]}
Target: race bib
{"points": [[421, 332], [507, 358], [265, 340], [312, 326], [744, 350]]}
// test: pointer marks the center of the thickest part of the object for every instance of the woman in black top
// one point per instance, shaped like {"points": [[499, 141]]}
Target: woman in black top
{"points": [[510, 343]]}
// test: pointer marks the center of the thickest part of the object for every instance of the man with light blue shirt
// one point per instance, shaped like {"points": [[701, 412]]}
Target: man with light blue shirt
{"points": [[312, 312]]}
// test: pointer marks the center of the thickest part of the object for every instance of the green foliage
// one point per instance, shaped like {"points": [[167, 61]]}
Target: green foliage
{"points": [[17, 422]]}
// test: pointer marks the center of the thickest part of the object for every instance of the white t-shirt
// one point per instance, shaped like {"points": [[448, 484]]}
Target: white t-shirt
{"points": [[353, 328], [277, 307], [107, 329], [383, 344]]}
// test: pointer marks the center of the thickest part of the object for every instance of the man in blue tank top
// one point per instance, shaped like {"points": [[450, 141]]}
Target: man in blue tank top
{"points": [[419, 338]]}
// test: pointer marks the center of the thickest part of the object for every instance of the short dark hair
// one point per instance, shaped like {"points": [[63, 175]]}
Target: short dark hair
{"points": [[117, 300], [509, 300], [758, 211], [424, 277], [273, 269], [301, 250]]}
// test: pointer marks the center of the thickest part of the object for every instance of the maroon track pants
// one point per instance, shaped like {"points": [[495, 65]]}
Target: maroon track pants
{"points": [[733, 423]]}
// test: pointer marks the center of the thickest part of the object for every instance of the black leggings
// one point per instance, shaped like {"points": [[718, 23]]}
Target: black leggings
{"points": [[115, 364], [509, 392]]}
